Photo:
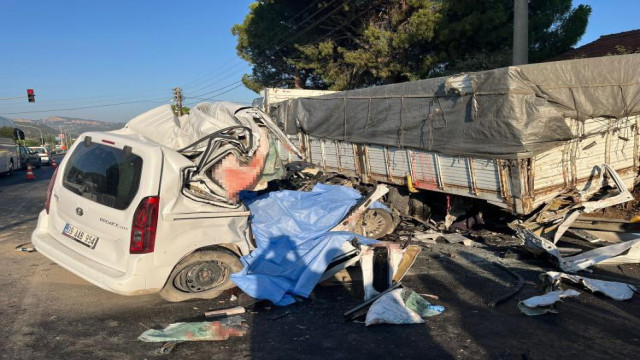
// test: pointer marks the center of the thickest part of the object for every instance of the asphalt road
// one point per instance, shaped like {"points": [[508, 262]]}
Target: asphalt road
{"points": [[48, 313]]}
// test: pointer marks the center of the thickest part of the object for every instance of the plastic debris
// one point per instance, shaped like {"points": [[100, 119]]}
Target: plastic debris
{"points": [[401, 306], [197, 331], [454, 238], [237, 310], [25, 248], [167, 347], [543, 304], [613, 289]]}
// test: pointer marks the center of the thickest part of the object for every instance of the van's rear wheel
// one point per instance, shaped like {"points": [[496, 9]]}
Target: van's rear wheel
{"points": [[204, 274]]}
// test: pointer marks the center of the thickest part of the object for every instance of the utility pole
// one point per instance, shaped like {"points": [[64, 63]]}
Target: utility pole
{"points": [[177, 96], [520, 32]]}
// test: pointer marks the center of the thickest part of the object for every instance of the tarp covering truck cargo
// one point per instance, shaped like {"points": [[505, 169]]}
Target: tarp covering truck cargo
{"points": [[515, 137]]}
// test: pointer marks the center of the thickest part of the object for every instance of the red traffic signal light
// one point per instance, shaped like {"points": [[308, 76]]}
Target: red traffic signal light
{"points": [[31, 95]]}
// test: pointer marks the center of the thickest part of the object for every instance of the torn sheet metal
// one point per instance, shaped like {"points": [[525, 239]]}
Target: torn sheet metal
{"points": [[557, 216], [543, 304], [294, 242], [613, 289], [605, 255], [197, 331], [229, 144], [623, 196], [401, 306]]}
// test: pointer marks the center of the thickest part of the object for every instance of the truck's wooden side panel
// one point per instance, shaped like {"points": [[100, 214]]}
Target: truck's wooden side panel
{"points": [[578, 162]]}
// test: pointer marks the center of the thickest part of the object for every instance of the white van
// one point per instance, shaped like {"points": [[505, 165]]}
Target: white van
{"points": [[119, 215]]}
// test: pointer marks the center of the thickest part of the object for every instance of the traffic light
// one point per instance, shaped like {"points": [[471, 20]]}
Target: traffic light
{"points": [[31, 96]]}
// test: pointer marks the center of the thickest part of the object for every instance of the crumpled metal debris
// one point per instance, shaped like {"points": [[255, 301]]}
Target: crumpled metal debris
{"points": [[613, 289], [605, 255], [235, 150], [543, 304], [561, 212], [197, 331]]}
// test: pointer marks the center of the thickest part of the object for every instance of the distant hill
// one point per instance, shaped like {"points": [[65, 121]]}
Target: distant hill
{"points": [[53, 125]]}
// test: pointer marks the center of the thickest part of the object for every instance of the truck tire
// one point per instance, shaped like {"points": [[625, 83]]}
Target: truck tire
{"points": [[205, 274]]}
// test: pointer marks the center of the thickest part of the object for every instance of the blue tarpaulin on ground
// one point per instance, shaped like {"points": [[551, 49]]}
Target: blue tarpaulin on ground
{"points": [[294, 244]]}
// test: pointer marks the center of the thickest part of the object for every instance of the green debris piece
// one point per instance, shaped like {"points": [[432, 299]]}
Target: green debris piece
{"points": [[419, 305]]}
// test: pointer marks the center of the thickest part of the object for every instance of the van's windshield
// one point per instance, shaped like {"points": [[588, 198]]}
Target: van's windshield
{"points": [[103, 174]]}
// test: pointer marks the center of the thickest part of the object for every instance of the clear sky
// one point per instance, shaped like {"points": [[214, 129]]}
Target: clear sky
{"points": [[82, 53]]}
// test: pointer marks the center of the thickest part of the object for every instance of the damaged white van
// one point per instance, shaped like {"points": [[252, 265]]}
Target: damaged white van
{"points": [[154, 207]]}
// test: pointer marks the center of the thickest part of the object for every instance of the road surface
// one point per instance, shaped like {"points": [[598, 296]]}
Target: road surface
{"points": [[48, 313]]}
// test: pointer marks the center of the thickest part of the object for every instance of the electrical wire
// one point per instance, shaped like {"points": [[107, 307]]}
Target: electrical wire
{"points": [[295, 36], [84, 107], [12, 98], [269, 36]]}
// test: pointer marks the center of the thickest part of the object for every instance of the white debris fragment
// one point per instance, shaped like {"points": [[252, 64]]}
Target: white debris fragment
{"points": [[390, 309], [366, 264], [605, 255], [543, 304], [613, 289]]}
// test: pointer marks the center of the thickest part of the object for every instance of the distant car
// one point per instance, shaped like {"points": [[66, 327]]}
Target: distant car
{"points": [[29, 156], [44, 153]]}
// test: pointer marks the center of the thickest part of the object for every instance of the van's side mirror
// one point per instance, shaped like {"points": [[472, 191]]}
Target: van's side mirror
{"points": [[18, 134]]}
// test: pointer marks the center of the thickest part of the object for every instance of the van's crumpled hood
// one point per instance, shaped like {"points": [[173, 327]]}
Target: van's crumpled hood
{"points": [[162, 126]]}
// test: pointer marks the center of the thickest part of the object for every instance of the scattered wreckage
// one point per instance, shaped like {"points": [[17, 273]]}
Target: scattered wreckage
{"points": [[548, 141], [157, 207]]}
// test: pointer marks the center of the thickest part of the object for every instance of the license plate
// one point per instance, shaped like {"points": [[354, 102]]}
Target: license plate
{"points": [[80, 236]]}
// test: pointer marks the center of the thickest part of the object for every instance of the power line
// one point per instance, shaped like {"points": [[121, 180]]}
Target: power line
{"points": [[295, 36], [216, 95], [300, 33], [273, 41], [84, 107], [218, 89], [13, 98]]}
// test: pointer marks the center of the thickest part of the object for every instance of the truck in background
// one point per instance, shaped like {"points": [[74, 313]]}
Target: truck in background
{"points": [[597, 129]]}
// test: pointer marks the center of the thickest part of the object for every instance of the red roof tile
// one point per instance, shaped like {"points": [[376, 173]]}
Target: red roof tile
{"points": [[613, 44]]}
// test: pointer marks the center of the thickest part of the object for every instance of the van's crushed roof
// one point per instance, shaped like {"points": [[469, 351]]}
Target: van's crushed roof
{"points": [[162, 126]]}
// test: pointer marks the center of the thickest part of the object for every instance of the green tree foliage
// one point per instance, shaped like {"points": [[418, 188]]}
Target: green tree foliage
{"points": [[6, 132], [345, 44]]}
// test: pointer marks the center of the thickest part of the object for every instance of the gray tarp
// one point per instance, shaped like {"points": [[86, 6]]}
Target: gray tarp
{"points": [[503, 112]]}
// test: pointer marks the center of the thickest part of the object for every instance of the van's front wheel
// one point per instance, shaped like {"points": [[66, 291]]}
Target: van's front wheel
{"points": [[205, 274]]}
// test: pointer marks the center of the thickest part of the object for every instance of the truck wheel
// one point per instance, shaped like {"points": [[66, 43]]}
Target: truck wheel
{"points": [[204, 274], [377, 223]]}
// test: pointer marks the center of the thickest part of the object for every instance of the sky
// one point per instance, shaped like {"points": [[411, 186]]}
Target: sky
{"points": [[127, 55]]}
